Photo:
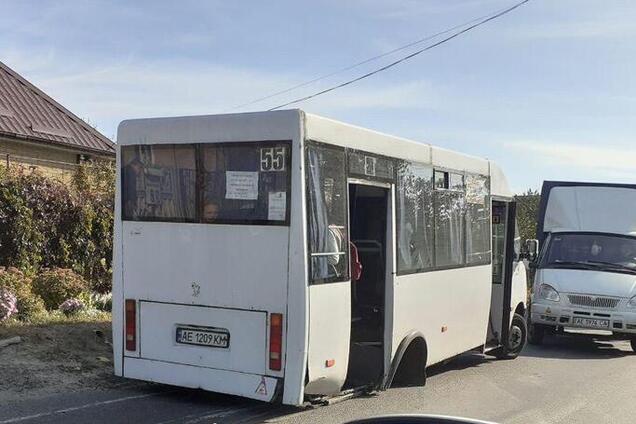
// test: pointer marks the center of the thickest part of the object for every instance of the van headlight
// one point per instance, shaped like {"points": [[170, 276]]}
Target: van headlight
{"points": [[632, 302], [548, 292]]}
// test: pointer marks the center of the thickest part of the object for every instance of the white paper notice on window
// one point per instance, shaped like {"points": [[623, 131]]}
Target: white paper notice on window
{"points": [[241, 185], [276, 206]]}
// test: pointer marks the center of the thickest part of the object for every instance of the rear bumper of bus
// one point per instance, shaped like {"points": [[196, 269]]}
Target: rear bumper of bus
{"points": [[259, 387], [620, 322]]}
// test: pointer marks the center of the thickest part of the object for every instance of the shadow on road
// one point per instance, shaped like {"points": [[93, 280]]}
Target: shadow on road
{"points": [[572, 346], [202, 407], [467, 360]]}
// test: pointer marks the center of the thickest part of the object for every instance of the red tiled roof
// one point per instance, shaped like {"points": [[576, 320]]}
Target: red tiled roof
{"points": [[27, 112]]}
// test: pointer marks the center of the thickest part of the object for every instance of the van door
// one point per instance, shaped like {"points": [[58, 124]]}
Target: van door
{"points": [[329, 299]]}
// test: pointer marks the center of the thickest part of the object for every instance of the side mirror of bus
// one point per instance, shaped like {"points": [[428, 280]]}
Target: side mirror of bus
{"points": [[532, 249]]}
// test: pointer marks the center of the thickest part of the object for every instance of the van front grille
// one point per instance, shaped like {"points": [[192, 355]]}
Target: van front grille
{"points": [[593, 301]]}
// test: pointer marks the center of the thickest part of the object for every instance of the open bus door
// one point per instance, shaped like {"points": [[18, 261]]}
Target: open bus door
{"points": [[505, 331]]}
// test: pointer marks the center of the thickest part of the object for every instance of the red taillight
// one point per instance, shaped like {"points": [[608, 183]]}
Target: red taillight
{"points": [[275, 341], [131, 324]]}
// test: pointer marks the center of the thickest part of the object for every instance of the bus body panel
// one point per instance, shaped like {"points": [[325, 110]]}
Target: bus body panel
{"points": [[246, 328], [297, 290], [237, 267], [449, 307], [519, 293], [329, 308], [226, 274], [251, 386], [216, 264]]}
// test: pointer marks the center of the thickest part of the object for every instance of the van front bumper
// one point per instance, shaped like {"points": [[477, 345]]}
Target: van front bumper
{"points": [[557, 315]]}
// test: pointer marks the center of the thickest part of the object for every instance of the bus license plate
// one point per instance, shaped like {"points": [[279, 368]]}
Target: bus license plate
{"points": [[591, 322], [203, 337]]}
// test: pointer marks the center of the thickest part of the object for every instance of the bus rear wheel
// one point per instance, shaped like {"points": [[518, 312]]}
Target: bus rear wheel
{"points": [[517, 337]]}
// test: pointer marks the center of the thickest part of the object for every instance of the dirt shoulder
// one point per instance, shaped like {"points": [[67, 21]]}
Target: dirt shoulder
{"points": [[55, 358]]}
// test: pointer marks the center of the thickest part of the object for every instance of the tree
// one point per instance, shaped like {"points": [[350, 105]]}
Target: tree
{"points": [[527, 213]]}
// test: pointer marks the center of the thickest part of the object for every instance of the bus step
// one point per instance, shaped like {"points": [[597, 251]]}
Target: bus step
{"points": [[344, 395]]}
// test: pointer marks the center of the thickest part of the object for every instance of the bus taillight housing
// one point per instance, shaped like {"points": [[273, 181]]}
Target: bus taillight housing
{"points": [[275, 342], [131, 325]]}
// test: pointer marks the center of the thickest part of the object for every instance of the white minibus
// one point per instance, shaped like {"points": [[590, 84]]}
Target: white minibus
{"points": [[286, 257], [586, 271]]}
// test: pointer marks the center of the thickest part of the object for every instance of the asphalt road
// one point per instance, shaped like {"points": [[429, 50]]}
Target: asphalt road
{"points": [[569, 380]]}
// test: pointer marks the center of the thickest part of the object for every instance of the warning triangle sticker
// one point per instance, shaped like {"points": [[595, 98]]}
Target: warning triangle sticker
{"points": [[261, 389]]}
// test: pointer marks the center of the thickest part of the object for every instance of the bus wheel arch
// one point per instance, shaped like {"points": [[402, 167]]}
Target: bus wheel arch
{"points": [[408, 367], [520, 309]]}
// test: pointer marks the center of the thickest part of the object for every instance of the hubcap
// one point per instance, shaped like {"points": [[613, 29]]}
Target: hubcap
{"points": [[516, 336]]}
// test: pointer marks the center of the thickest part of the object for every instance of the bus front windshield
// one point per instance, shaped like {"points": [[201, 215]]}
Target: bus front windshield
{"points": [[591, 251]]}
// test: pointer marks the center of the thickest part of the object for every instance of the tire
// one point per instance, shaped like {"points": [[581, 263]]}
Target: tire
{"points": [[634, 344], [517, 337], [535, 334]]}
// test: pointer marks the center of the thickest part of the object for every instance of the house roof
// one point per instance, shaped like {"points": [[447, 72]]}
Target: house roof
{"points": [[27, 112]]}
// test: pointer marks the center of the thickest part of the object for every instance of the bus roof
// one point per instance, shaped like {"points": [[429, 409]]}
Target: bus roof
{"points": [[288, 124]]}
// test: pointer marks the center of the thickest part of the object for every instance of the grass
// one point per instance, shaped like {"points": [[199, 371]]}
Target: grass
{"points": [[57, 317]]}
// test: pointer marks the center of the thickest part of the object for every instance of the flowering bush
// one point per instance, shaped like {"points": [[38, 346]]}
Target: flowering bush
{"points": [[71, 306], [57, 285], [8, 304], [16, 282]]}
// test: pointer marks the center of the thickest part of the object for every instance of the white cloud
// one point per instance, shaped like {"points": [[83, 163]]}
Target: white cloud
{"points": [[108, 93], [611, 162]]}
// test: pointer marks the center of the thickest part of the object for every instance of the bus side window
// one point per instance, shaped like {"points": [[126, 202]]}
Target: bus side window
{"points": [[327, 210], [478, 238], [415, 217]]}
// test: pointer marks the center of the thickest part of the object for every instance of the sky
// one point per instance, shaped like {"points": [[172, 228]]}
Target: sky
{"points": [[547, 91]]}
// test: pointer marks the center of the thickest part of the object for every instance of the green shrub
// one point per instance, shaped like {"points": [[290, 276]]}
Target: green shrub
{"points": [[46, 223], [57, 285], [30, 305], [101, 302]]}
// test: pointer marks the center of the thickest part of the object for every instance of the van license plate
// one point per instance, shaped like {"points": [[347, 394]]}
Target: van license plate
{"points": [[591, 322], [203, 337]]}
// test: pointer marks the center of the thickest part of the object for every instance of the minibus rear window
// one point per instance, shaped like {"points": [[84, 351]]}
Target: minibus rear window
{"points": [[221, 183], [159, 182], [245, 183]]}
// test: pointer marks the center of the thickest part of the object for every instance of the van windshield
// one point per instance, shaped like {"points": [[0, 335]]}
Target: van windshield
{"points": [[591, 251]]}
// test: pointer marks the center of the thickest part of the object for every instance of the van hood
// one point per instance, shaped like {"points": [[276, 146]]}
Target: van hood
{"points": [[589, 282]]}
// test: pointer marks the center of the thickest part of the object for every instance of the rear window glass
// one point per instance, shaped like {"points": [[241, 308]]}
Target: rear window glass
{"points": [[224, 183], [159, 183], [245, 182]]}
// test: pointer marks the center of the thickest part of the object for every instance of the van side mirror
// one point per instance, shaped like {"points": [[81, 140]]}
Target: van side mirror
{"points": [[532, 249]]}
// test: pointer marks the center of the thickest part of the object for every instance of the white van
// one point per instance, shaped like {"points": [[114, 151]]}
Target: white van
{"points": [[286, 257], [586, 270]]}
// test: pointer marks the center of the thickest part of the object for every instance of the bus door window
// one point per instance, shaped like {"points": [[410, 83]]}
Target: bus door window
{"points": [[498, 241], [327, 210]]}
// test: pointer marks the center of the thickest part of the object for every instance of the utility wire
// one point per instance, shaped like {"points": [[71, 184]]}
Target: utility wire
{"points": [[405, 58], [364, 62]]}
